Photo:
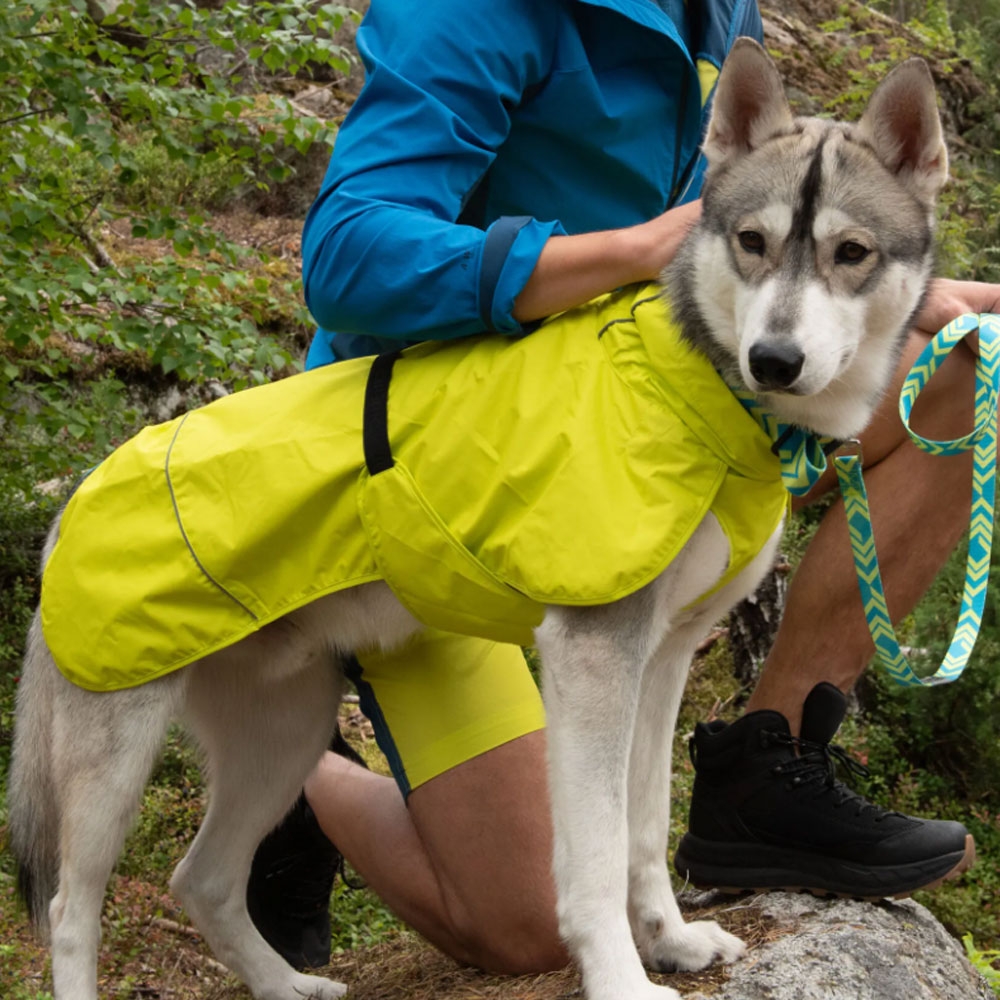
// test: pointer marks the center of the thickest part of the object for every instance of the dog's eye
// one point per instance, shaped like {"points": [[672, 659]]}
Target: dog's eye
{"points": [[850, 252], [752, 242]]}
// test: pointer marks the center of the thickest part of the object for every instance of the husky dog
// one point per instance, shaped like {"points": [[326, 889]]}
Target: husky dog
{"points": [[811, 257]]}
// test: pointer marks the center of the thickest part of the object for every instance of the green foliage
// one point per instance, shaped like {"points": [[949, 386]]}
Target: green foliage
{"points": [[11, 966], [968, 233], [985, 962], [950, 36], [892, 48], [974, 24], [138, 119], [359, 919]]}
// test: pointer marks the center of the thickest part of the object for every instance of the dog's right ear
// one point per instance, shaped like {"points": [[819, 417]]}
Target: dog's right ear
{"points": [[749, 104]]}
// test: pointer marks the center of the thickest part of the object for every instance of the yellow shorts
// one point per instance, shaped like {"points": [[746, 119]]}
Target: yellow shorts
{"points": [[442, 699]]}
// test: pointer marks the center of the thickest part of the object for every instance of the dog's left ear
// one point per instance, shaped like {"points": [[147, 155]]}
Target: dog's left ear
{"points": [[903, 126], [749, 106]]}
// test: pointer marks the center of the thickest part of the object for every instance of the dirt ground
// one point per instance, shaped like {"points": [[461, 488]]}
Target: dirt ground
{"points": [[152, 953]]}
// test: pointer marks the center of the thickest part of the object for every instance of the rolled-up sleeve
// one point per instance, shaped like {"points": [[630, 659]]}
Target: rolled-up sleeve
{"points": [[382, 251]]}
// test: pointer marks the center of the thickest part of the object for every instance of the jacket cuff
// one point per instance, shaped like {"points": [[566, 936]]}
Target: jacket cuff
{"points": [[510, 252]]}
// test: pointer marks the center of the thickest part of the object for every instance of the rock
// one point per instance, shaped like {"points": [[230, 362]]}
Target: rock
{"points": [[842, 949]]}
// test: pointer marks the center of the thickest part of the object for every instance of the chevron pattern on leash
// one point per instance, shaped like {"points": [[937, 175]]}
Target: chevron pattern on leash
{"points": [[983, 442]]}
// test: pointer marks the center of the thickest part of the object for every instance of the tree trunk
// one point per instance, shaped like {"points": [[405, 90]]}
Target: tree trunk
{"points": [[753, 624]]}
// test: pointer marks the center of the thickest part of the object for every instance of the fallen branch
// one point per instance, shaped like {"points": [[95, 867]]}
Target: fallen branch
{"points": [[175, 928]]}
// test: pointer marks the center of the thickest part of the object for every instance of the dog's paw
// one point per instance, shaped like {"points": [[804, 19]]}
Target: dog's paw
{"points": [[321, 988], [689, 947], [645, 991], [302, 987], [653, 992]]}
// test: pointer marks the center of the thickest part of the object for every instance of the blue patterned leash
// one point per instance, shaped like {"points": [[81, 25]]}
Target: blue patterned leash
{"points": [[983, 442], [803, 458]]}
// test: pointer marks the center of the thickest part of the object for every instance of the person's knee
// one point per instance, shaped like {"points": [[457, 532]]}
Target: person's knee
{"points": [[491, 857], [518, 945]]}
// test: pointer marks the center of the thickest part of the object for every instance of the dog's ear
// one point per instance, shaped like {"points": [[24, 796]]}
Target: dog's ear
{"points": [[749, 104], [902, 125]]}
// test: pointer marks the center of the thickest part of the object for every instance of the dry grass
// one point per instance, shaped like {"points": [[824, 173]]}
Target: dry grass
{"points": [[408, 968], [150, 952]]}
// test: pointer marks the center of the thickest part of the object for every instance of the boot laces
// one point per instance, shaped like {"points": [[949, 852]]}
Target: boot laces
{"points": [[816, 766]]}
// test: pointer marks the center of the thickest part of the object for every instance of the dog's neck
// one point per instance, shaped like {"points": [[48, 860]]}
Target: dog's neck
{"points": [[802, 453]]}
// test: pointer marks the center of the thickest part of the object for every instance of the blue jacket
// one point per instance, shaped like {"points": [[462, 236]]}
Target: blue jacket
{"points": [[485, 128]]}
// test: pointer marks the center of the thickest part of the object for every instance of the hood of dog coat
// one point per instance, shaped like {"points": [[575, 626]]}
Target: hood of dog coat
{"points": [[567, 467]]}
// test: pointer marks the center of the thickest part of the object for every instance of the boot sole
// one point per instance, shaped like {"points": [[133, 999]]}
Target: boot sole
{"points": [[777, 869]]}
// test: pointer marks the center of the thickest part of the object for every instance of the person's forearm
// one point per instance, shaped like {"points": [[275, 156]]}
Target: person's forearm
{"points": [[573, 269]]}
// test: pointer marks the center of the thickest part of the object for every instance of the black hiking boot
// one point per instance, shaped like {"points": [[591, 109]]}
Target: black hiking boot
{"points": [[291, 879], [768, 813]]}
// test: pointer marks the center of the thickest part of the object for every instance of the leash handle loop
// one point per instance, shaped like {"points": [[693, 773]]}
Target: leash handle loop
{"points": [[936, 350], [983, 442]]}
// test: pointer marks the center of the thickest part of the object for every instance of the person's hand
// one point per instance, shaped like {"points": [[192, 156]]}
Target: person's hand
{"points": [[573, 269], [660, 237], [947, 299]]}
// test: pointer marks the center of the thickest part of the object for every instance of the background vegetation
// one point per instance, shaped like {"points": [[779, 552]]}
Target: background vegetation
{"points": [[156, 160]]}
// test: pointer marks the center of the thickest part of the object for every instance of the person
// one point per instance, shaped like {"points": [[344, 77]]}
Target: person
{"points": [[502, 162]]}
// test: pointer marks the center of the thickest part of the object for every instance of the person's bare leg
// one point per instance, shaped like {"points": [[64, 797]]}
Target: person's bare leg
{"points": [[920, 507], [466, 861]]}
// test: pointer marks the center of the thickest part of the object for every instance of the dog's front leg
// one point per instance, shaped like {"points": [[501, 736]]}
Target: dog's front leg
{"points": [[665, 941], [593, 661]]}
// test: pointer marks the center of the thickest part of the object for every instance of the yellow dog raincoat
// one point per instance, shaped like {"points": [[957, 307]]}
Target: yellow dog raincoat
{"points": [[481, 479]]}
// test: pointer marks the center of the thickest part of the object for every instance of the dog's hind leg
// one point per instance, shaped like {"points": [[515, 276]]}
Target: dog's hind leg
{"points": [[263, 712], [593, 660], [81, 762]]}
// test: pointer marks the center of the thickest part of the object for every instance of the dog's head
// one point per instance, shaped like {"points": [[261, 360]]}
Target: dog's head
{"points": [[816, 241]]}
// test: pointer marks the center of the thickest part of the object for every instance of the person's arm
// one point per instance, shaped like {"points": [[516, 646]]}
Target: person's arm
{"points": [[382, 253], [573, 269]]}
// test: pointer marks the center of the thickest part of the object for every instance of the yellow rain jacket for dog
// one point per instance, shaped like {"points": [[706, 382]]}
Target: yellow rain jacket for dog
{"points": [[481, 479]]}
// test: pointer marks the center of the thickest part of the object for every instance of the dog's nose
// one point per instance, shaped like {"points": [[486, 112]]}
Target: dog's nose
{"points": [[775, 365]]}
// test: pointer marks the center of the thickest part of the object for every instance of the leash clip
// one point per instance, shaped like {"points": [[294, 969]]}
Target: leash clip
{"points": [[851, 448]]}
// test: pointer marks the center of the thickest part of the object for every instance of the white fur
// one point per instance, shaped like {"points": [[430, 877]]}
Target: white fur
{"points": [[775, 219]]}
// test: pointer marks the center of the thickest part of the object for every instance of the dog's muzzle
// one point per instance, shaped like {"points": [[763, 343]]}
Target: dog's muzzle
{"points": [[775, 366]]}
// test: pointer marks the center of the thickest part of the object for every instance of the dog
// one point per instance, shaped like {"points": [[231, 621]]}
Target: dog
{"points": [[812, 256]]}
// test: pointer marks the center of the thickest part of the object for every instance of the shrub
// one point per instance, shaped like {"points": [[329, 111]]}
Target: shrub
{"points": [[135, 118]]}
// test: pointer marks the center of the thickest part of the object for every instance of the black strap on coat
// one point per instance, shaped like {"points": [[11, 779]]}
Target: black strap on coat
{"points": [[375, 427]]}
